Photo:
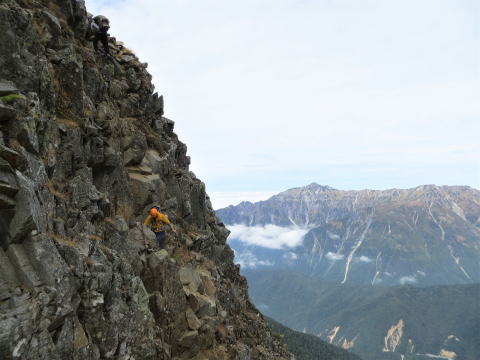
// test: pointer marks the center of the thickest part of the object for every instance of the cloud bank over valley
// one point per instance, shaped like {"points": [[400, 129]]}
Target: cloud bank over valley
{"points": [[268, 236]]}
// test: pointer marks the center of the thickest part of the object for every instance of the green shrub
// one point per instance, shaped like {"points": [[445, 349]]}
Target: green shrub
{"points": [[8, 99]]}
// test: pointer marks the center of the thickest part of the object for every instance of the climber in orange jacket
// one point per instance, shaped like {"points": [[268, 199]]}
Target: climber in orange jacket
{"points": [[157, 221]]}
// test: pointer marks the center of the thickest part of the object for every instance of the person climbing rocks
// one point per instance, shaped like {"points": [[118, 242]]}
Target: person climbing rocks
{"points": [[98, 31], [157, 221]]}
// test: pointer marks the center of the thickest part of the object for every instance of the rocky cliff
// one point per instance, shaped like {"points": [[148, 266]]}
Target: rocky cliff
{"points": [[84, 152]]}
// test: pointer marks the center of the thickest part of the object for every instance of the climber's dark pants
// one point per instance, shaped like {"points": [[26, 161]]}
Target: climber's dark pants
{"points": [[103, 38], [160, 239]]}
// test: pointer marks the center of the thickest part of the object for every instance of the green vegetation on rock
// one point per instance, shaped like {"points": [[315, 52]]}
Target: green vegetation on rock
{"points": [[8, 99]]}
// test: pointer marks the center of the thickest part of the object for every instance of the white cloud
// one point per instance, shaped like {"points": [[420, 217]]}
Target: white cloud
{"points": [[333, 236], [422, 273], [248, 260], [268, 236], [263, 307], [290, 256], [364, 259], [334, 256], [411, 279]]}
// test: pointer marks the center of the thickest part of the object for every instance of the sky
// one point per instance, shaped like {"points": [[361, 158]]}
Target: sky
{"points": [[274, 94]]}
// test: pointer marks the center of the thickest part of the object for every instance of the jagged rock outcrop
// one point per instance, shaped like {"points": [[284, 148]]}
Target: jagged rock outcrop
{"points": [[84, 151]]}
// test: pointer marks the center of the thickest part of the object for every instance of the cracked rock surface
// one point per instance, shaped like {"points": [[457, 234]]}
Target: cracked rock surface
{"points": [[84, 152]]}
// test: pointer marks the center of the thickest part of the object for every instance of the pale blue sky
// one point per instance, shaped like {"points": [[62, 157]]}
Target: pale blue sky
{"points": [[273, 94]]}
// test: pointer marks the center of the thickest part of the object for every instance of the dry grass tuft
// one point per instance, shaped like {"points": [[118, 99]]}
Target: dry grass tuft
{"points": [[211, 220], [127, 51], [63, 241], [107, 251], [89, 260], [182, 256], [70, 124], [119, 127], [109, 220], [53, 188], [95, 237]]}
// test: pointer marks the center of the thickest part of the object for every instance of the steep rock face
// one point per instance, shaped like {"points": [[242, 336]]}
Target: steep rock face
{"points": [[426, 235], [84, 152]]}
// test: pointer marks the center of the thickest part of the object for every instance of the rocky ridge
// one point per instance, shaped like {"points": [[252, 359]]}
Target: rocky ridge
{"points": [[84, 151]]}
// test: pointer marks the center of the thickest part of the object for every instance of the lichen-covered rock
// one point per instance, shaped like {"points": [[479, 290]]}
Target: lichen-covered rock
{"points": [[84, 152]]}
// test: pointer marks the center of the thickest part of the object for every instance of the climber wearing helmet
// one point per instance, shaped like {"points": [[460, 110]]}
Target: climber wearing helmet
{"points": [[157, 221], [98, 31]]}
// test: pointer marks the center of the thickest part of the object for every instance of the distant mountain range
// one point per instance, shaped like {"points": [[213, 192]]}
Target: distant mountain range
{"points": [[388, 275], [377, 323], [428, 235]]}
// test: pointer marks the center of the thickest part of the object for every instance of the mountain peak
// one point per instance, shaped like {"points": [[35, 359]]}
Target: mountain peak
{"points": [[315, 186]]}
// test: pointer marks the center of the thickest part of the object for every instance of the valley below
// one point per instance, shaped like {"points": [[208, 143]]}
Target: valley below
{"points": [[374, 322], [391, 274]]}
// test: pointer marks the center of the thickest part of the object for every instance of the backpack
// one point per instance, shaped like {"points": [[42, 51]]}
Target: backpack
{"points": [[94, 29]]}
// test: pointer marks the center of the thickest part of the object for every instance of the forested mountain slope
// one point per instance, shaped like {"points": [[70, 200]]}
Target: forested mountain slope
{"points": [[372, 321], [309, 347]]}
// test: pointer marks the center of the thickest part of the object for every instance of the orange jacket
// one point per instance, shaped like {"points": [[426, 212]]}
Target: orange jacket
{"points": [[156, 223]]}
